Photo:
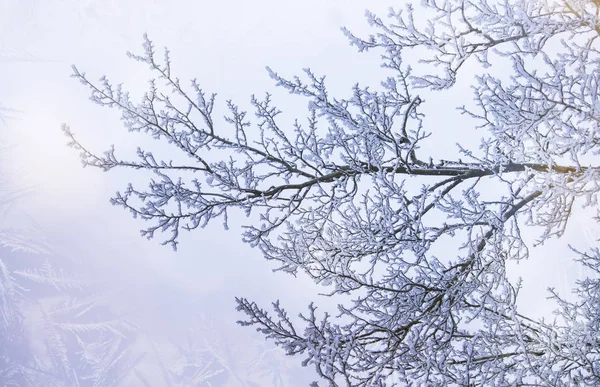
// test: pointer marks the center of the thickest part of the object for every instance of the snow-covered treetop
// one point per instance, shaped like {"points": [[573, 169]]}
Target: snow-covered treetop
{"points": [[336, 198]]}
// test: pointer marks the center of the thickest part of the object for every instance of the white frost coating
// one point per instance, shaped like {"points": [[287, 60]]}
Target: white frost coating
{"points": [[335, 200]]}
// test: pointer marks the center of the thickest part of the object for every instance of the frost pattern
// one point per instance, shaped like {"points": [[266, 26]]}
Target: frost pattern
{"points": [[64, 325]]}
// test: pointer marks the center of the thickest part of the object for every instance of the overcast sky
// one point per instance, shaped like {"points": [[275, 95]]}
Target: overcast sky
{"points": [[226, 46]]}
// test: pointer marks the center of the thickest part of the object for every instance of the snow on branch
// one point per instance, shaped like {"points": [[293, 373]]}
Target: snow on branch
{"points": [[334, 194]]}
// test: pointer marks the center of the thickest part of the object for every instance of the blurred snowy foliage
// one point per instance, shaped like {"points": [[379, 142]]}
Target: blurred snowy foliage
{"points": [[60, 325]]}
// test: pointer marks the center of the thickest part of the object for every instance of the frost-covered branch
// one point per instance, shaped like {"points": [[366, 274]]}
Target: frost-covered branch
{"points": [[349, 196]]}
